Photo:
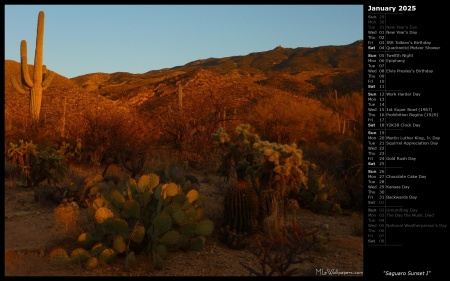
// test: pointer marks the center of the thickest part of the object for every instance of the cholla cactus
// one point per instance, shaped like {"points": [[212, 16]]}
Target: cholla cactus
{"points": [[270, 170]]}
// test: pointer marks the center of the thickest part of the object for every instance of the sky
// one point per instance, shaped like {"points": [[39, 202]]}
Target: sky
{"points": [[83, 39]]}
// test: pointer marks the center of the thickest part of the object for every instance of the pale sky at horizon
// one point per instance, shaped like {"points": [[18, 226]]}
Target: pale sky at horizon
{"points": [[82, 39]]}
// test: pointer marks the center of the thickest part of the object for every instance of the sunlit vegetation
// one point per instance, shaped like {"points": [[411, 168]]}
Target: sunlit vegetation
{"points": [[117, 159]]}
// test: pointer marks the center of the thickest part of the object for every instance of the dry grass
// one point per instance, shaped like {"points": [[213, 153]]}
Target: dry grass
{"points": [[67, 217]]}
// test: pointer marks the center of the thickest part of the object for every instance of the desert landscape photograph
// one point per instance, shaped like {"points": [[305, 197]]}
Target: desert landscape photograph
{"points": [[184, 140]]}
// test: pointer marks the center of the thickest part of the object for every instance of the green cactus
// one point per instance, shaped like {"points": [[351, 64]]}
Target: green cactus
{"points": [[59, 256], [204, 228], [86, 240], [170, 238], [131, 209], [90, 189], [92, 263], [270, 169], [106, 256], [192, 195], [118, 226], [138, 233], [179, 199], [131, 258], [147, 182], [152, 215], [158, 261], [179, 217], [41, 80], [102, 214], [119, 245], [190, 211], [198, 243], [241, 207], [162, 222], [158, 192], [118, 199], [97, 249], [188, 228], [79, 255], [161, 251], [99, 202], [131, 185], [170, 189]]}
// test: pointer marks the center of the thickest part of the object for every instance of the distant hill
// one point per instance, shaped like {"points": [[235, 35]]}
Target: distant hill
{"points": [[307, 72], [301, 71]]}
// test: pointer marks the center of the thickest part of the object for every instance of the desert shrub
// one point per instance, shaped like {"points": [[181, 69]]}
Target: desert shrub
{"points": [[67, 217], [43, 132], [320, 196], [116, 137], [37, 164], [276, 254], [12, 171], [351, 172], [284, 118], [186, 130], [341, 157], [70, 149]]}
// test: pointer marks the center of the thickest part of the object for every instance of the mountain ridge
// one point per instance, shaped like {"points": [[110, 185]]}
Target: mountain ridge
{"points": [[299, 72]]}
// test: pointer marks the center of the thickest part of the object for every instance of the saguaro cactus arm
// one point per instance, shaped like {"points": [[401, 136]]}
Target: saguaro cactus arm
{"points": [[17, 86], [47, 77], [24, 64], [26, 80]]}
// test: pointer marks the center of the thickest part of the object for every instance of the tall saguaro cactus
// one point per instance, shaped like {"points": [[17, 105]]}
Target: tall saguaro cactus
{"points": [[180, 96], [41, 79]]}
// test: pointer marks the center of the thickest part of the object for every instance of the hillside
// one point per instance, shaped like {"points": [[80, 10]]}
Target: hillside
{"points": [[300, 72]]}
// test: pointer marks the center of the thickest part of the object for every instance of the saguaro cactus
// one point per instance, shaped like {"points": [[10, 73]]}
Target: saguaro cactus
{"points": [[180, 96], [41, 80]]}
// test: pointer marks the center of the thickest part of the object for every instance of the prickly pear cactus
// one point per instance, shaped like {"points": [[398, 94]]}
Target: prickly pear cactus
{"points": [[79, 255], [147, 214], [59, 256]]}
